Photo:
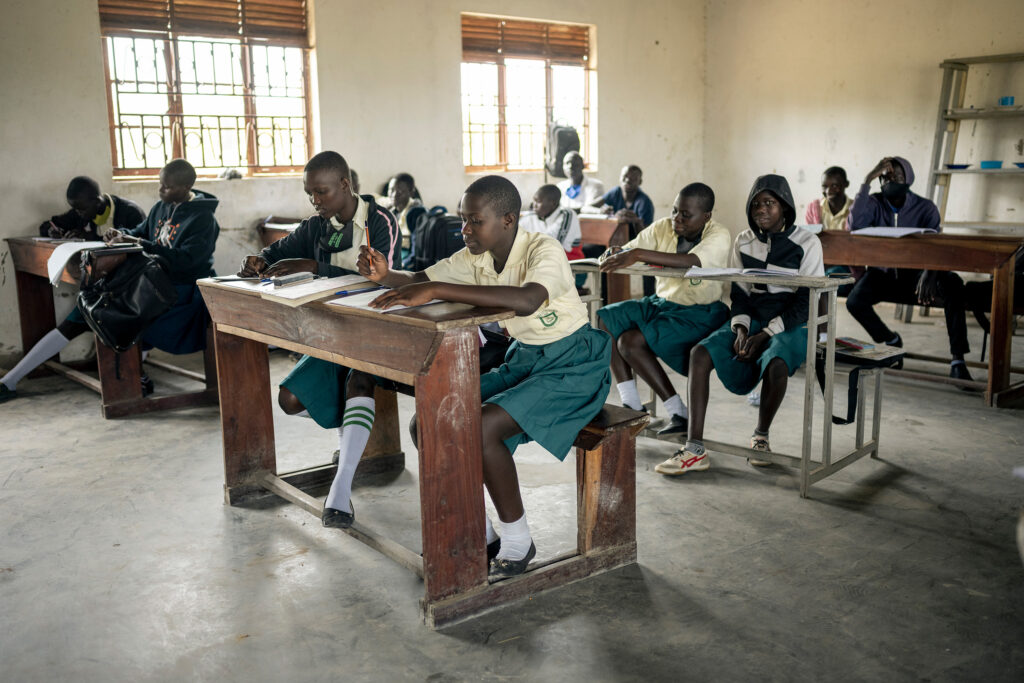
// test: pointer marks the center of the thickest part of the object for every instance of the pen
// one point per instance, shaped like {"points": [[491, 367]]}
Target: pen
{"points": [[346, 292]]}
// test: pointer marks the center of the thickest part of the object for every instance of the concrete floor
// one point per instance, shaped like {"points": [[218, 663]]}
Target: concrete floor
{"points": [[119, 562]]}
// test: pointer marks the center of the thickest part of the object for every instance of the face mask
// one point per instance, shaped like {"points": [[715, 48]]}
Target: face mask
{"points": [[893, 190]]}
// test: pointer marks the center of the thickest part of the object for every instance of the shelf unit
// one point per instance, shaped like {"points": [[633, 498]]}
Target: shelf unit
{"points": [[947, 130]]}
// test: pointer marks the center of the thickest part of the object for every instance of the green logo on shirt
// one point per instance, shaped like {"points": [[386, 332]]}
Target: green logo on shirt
{"points": [[548, 319], [695, 281]]}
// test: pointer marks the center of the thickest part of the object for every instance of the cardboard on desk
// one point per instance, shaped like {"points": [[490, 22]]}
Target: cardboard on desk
{"points": [[321, 287]]}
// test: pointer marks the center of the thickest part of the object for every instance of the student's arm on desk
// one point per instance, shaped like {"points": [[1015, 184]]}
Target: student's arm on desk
{"points": [[626, 258]]}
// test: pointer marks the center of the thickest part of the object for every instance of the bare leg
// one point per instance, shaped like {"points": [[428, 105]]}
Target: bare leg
{"points": [[620, 369], [289, 402], [700, 388], [500, 475], [638, 355], [774, 382]]}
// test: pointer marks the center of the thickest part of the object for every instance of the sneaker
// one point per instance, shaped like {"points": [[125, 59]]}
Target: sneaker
{"points": [[677, 424], [754, 397], [7, 394], [147, 384], [684, 461], [759, 443]]}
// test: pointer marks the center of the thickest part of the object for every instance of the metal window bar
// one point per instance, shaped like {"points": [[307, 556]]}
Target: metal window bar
{"points": [[249, 107]]}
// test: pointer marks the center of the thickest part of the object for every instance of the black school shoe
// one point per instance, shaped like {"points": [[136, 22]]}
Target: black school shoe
{"points": [[677, 424], [147, 384], [505, 569], [492, 549], [336, 519]]}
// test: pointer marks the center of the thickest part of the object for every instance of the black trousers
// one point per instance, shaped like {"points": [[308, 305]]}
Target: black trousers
{"points": [[979, 298], [898, 286]]}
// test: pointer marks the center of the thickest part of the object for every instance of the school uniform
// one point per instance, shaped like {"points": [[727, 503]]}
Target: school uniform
{"points": [[819, 212], [184, 237], [122, 214], [319, 384], [556, 374], [579, 196], [682, 311], [407, 219], [779, 310], [641, 205], [562, 224]]}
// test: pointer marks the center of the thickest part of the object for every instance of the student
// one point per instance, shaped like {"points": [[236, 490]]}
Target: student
{"points": [[627, 202], [405, 205], [552, 220], [766, 339], [833, 209], [667, 324], [92, 213], [897, 206], [578, 190], [327, 244], [555, 377], [182, 230]]}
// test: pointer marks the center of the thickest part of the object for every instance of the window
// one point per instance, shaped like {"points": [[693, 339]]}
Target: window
{"points": [[222, 83], [518, 77]]}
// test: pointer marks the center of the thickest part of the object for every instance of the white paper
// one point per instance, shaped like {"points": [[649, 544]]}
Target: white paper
{"points": [[695, 272], [812, 227], [890, 232], [318, 286], [362, 302], [62, 254]]}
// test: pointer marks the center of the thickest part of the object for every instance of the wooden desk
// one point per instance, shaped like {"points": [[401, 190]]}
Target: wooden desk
{"points": [[119, 383], [610, 233], [978, 254], [435, 349], [273, 228]]}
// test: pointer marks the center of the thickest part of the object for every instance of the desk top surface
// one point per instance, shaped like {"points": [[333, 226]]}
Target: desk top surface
{"points": [[824, 283], [938, 251]]}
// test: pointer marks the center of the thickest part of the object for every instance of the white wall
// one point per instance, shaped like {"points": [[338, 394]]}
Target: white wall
{"points": [[389, 100], [786, 94]]}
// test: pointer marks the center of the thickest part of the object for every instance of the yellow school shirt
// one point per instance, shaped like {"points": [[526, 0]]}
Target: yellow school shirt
{"points": [[535, 257], [837, 221], [713, 250]]}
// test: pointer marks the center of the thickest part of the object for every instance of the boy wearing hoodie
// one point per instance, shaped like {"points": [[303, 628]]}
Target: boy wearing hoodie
{"points": [[897, 206], [766, 339], [182, 230]]}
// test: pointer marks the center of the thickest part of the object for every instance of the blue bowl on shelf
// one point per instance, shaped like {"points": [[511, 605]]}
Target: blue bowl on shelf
{"points": [[992, 164], [1019, 164], [957, 167]]}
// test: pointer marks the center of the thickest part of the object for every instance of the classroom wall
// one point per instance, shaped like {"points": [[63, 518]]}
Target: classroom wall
{"points": [[388, 98], [788, 94]]}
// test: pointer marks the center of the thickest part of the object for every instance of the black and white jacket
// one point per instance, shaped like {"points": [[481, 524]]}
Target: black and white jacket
{"points": [[794, 250]]}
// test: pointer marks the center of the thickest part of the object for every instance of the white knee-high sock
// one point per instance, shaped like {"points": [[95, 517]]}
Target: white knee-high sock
{"points": [[356, 425], [50, 345], [515, 539]]}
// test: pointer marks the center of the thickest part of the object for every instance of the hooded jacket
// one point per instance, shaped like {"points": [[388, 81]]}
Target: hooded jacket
{"points": [[873, 211], [183, 235], [124, 215], [305, 241], [793, 250]]}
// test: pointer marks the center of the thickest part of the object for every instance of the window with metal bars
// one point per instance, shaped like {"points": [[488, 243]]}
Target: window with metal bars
{"points": [[221, 83], [518, 78]]}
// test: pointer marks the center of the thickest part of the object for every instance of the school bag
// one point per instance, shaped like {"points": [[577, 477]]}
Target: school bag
{"points": [[866, 357], [119, 305], [562, 139], [437, 236]]}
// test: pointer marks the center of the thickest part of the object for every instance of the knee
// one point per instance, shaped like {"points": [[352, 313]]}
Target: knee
{"points": [[359, 384], [777, 371], [853, 301], [289, 403], [700, 361], [70, 329], [629, 342]]}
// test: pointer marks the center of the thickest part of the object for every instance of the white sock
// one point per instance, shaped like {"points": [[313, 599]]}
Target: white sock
{"points": [[305, 413], [492, 535], [629, 394], [354, 433], [145, 354], [50, 345], [674, 404], [515, 539]]}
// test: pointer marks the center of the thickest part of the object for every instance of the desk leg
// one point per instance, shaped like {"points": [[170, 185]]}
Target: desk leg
{"points": [[35, 311], [120, 376], [451, 469], [606, 497], [246, 416], [618, 287], [1001, 322]]}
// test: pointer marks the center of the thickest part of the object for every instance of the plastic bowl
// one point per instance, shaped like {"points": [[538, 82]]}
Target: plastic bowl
{"points": [[957, 167], [1019, 164], [992, 164]]}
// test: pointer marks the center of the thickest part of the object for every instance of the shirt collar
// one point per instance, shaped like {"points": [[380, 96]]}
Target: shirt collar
{"points": [[107, 214], [358, 218], [516, 255]]}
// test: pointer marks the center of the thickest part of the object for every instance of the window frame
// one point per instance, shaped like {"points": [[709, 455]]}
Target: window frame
{"points": [[498, 59]]}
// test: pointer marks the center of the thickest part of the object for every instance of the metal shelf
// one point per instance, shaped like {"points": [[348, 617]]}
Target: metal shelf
{"points": [[1013, 170], [1014, 112]]}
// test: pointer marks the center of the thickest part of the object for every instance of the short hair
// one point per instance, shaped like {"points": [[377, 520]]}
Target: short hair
{"points": [[406, 179], [354, 177], [550, 192], [328, 161], [82, 186], [704, 195], [570, 154], [836, 170], [180, 172], [632, 167], [498, 192]]}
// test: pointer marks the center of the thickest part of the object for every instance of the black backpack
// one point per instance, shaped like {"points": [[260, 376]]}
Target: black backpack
{"points": [[437, 236], [562, 139]]}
